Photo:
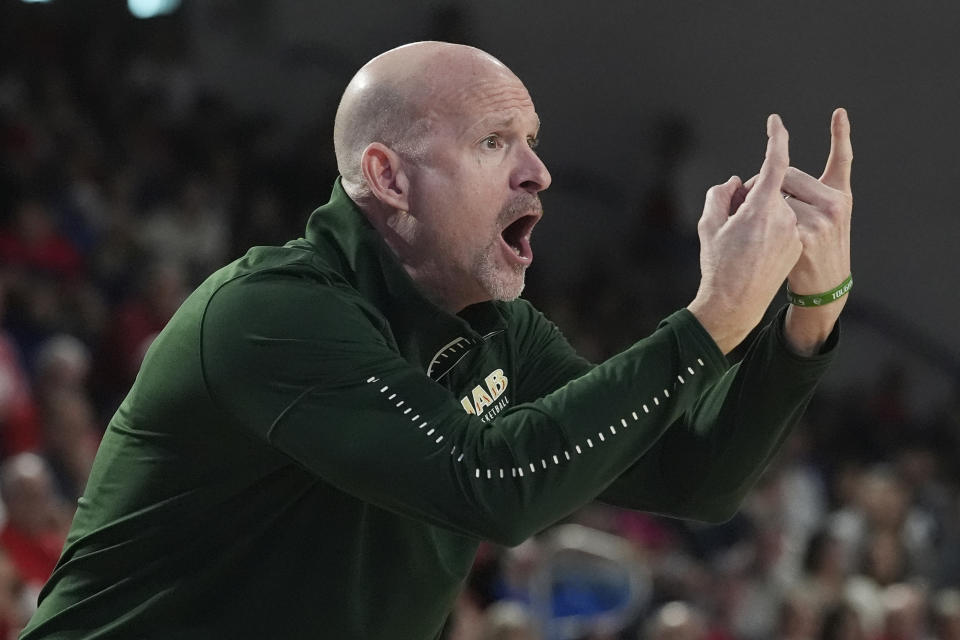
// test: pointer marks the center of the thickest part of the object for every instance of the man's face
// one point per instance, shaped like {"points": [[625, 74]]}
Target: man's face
{"points": [[475, 192]]}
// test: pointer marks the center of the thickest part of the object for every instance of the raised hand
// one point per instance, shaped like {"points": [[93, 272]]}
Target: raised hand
{"points": [[823, 209], [744, 257]]}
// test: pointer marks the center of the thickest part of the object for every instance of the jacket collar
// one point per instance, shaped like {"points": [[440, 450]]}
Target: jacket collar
{"points": [[341, 232]]}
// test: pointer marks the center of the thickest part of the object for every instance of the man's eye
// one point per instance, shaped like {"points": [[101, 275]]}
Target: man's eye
{"points": [[492, 142], [533, 142]]}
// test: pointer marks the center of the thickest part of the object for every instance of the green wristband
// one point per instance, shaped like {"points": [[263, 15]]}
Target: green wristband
{"points": [[820, 299]]}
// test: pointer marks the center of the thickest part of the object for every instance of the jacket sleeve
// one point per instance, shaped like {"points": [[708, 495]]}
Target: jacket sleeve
{"points": [[306, 369], [706, 462]]}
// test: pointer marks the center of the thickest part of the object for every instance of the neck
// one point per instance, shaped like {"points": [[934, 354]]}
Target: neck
{"points": [[402, 234]]}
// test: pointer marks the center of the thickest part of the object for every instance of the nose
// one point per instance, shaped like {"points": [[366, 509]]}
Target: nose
{"points": [[531, 174]]}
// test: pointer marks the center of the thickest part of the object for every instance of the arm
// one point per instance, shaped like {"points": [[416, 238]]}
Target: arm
{"points": [[301, 366], [705, 464]]}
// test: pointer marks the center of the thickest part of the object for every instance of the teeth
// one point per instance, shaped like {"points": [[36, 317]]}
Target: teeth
{"points": [[516, 250]]}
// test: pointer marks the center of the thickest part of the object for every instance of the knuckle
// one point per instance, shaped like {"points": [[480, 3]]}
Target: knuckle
{"points": [[837, 207]]}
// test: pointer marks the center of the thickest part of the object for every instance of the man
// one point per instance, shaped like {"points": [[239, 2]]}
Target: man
{"points": [[324, 432]]}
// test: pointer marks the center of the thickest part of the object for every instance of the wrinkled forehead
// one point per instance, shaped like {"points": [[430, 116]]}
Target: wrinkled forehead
{"points": [[463, 99]]}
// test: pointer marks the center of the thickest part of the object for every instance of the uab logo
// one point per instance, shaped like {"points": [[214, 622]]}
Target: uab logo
{"points": [[481, 398]]}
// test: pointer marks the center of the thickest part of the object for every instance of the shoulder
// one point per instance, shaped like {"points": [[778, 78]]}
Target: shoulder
{"points": [[290, 288]]}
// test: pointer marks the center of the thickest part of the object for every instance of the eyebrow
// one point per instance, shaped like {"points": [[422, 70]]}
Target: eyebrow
{"points": [[505, 122]]}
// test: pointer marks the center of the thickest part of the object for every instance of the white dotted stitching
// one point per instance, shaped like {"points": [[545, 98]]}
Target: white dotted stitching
{"points": [[556, 460]]}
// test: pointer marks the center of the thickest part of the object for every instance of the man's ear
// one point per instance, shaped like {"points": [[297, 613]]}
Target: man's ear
{"points": [[385, 175]]}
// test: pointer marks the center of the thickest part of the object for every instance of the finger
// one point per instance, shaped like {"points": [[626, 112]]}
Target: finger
{"points": [[807, 215], [716, 208], [837, 171], [775, 163], [803, 186], [738, 198], [749, 183]]}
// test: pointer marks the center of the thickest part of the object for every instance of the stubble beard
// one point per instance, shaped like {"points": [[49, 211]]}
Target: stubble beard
{"points": [[499, 282], [503, 282]]}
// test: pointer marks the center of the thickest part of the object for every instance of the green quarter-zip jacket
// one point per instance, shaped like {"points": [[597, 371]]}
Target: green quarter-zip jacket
{"points": [[313, 450]]}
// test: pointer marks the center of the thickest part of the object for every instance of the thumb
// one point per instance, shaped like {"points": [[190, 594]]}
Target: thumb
{"points": [[716, 207]]}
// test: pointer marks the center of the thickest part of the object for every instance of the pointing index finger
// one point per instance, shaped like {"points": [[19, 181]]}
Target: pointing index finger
{"points": [[836, 173], [776, 161]]}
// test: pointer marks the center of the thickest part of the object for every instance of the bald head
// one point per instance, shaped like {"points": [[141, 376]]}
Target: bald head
{"points": [[397, 97]]}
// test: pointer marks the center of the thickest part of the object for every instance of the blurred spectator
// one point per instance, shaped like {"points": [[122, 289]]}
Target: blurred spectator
{"points": [[37, 520], [33, 243], [825, 568], [136, 323], [905, 608], [508, 621], [63, 362], [841, 622], [13, 610], [799, 617], [946, 615], [676, 621], [71, 438], [191, 232], [19, 421]]}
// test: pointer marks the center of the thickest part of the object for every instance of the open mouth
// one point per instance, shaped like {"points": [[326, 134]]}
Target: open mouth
{"points": [[516, 236]]}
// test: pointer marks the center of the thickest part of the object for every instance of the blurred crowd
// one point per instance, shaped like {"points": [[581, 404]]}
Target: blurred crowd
{"points": [[124, 182]]}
